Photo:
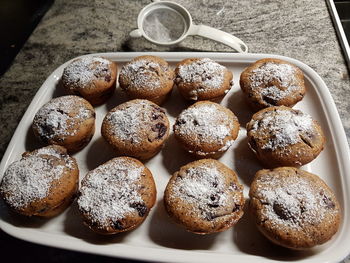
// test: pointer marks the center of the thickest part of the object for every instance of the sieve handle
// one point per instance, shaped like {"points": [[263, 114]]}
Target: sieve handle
{"points": [[219, 36]]}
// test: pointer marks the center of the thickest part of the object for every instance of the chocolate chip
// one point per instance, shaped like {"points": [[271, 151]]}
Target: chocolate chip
{"points": [[117, 225], [281, 211], [141, 208], [269, 100], [61, 111], [214, 200], [161, 128], [157, 112], [236, 208], [108, 78], [46, 132], [180, 122], [210, 216], [328, 202], [155, 116]]}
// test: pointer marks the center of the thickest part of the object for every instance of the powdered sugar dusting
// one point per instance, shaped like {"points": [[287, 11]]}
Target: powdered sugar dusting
{"points": [[284, 127], [30, 178], [204, 186], [205, 70], [292, 203], [129, 123], [142, 74], [205, 123], [60, 116], [81, 72], [51, 151], [264, 77], [109, 191]]}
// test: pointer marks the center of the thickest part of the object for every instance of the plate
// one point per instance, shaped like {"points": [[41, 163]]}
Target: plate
{"points": [[158, 238]]}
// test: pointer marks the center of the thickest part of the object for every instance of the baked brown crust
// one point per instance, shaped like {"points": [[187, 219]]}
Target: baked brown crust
{"points": [[202, 79], [294, 208], [92, 78], [147, 77], [68, 121], [205, 197], [137, 128], [117, 196], [206, 129], [42, 183], [272, 82], [282, 136]]}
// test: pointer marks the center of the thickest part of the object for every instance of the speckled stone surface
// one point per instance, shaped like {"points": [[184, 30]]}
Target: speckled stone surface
{"points": [[301, 29]]}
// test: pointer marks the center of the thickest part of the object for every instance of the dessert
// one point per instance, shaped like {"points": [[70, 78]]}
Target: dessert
{"points": [[92, 78], [272, 82], [205, 197], [42, 183], [116, 196], [68, 121], [294, 208], [136, 128], [202, 79]]}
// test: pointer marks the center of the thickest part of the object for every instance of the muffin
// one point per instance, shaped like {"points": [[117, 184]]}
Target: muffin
{"points": [[293, 208], [68, 121], [136, 128], [116, 196], [272, 82], [42, 183], [147, 77], [206, 129], [205, 197], [282, 136], [92, 78], [202, 79]]}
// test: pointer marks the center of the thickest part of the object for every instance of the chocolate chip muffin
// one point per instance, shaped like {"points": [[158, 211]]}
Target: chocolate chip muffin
{"points": [[116, 196], [202, 79], [137, 128], [68, 121], [92, 78], [272, 82], [42, 183], [206, 129], [205, 197], [147, 77], [282, 136], [294, 208]]}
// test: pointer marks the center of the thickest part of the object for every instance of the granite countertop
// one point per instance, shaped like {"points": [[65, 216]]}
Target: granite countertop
{"points": [[300, 29]]}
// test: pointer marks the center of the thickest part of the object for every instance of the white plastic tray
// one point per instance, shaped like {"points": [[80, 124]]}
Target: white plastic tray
{"points": [[158, 238]]}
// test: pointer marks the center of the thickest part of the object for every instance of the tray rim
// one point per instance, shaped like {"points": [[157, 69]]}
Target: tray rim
{"points": [[166, 254]]}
